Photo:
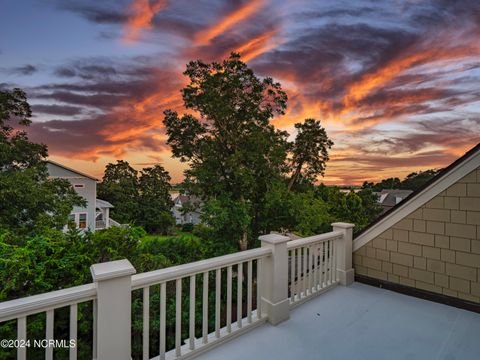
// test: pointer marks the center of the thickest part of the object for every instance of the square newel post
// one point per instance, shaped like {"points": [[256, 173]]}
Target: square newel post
{"points": [[113, 310], [343, 249], [274, 291]]}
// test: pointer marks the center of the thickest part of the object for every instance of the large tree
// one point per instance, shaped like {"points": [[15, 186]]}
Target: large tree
{"points": [[29, 200], [120, 187], [142, 198], [155, 200], [309, 152], [233, 150]]}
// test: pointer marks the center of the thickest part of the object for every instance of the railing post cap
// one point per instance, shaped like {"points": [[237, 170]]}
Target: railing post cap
{"points": [[343, 225], [111, 270], [273, 238]]}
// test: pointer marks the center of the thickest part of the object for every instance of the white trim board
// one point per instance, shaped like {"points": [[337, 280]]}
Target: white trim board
{"points": [[472, 162]]}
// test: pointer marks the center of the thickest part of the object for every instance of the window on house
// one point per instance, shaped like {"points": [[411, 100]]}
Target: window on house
{"points": [[82, 221], [78, 186], [71, 221]]}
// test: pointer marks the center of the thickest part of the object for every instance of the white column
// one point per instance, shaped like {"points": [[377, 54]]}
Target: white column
{"points": [[114, 291], [107, 218], [274, 291], [343, 250]]}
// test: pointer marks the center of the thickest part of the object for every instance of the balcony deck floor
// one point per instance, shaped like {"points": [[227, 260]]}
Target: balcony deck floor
{"points": [[361, 322]]}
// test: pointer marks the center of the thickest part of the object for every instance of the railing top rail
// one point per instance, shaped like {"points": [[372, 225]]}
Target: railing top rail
{"points": [[333, 235], [180, 271], [13, 309]]}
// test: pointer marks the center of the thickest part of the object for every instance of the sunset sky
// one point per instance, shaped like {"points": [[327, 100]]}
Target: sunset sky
{"points": [[396, 83]]}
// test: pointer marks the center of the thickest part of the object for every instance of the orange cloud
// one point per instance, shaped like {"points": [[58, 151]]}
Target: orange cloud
{"points": [[382, 76], [257, 46], [242, 13], [141, 13]]}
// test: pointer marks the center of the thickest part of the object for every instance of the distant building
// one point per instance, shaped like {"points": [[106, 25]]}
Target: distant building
{"points": [[391, 197], [187, 209], [96, 215]]}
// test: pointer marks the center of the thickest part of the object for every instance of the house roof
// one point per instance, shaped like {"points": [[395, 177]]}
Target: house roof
{"points": [[188, 199], [72, 170], [388, 197], [444, 179], [102, 204]]}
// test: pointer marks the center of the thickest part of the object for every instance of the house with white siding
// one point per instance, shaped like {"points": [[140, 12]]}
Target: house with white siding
{"points": [[187, 209], [96, 214]]}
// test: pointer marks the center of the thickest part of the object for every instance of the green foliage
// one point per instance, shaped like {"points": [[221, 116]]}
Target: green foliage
{"points": [[154, 200], [119, 186], [309, 214], [358, 208], [412, 181], [416, 180], [179, 249], [143, 199], [228, 218], [188, 227]]}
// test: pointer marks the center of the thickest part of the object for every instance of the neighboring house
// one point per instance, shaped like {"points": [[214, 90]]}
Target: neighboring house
{"points": [[96, 215], [431, 240], [187, 209], [389, 198]]}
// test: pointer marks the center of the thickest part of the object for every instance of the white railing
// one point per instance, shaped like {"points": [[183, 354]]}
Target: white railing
{"points": [[247, 288], [312, 264], [100, 224], [46, 303], [227, 272]]}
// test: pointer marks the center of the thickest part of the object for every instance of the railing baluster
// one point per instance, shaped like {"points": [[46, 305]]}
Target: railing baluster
{"points": [[304, 271], [163, 306], [311, 258], [315, 267], [334, 263], [229, 298], [146, 323], [192, 313], [21, 337], [178, 318], [320, 265], [292, 275], [249, 291], [239, 294], [73, 331], [218, 289], [94, 340], [330, 262], [259, 286], [49, 334], [205, 308], [298, 255]]}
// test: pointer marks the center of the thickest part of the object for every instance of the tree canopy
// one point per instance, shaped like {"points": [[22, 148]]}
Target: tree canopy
{"points": [[412, 181], [141, 198]]}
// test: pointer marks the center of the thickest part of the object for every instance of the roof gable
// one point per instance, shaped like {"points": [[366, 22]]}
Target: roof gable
{"points": [[447, 177], [81, 174]]}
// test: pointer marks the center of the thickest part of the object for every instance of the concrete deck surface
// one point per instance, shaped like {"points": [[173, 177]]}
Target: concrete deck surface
{"points": [[361, 322]]}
